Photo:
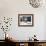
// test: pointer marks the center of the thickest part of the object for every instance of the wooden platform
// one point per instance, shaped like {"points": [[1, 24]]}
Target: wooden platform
{"points": [[8, 42]]}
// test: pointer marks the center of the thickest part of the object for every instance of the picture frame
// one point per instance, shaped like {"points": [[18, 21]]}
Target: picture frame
{"points": [[25, 20]]}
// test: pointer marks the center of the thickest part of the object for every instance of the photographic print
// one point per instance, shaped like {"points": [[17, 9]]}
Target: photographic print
{"points": [[25, 19]]}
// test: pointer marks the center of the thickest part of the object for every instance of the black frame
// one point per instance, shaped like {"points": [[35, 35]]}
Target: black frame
{"points": [[26, 15]]}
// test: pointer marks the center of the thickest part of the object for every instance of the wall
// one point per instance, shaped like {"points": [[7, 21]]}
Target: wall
{"points": [[11, 8]]}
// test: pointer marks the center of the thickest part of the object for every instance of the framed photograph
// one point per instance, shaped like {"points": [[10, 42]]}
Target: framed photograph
{"points": [[25, 20]]}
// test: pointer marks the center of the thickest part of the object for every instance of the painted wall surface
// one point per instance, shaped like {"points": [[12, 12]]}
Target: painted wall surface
{"points": [[11, 8]]}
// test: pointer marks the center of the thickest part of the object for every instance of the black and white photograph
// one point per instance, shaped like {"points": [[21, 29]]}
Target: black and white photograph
{"points": [[25, 19]]}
